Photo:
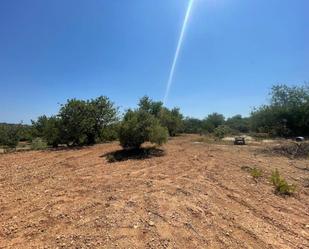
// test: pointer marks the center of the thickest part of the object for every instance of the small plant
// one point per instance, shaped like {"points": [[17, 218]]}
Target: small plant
{"points": [[38, 144], [281, 185], [256, 173]]}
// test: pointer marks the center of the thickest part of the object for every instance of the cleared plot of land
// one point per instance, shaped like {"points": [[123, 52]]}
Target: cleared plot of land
{"points": [[195, 196]]}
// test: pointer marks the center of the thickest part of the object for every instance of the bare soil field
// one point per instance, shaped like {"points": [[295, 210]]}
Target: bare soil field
{"points": [[195, 195]]}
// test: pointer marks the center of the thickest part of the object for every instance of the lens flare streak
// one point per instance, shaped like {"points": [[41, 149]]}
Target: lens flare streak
{"points": [[179, 45]]}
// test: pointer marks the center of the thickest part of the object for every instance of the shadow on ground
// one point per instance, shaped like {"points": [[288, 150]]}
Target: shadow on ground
{"points": [[135, 154]]}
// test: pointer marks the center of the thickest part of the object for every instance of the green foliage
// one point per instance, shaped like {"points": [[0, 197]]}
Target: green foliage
{"points": [[109, 133], [158, 134], [38, 144], [171, 119], [192, 125], [238, 123], [148, 105], [140, 126], [212, 122], [281, 185], [286, 115], [24, 132], [9, 135], [49, 129], [256, 173], [133, 129], [221, 131], [82, 121], [79, 122]]}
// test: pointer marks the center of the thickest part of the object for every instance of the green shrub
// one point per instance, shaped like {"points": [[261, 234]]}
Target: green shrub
{"points": [[109, 133], [158, 134], [238, 123], [82, 121], [171, 119], [286, 115], [24, 132], [38, 144], [49, 129], [192, 125], [79, 122], [140, 126], [9, 135], [221, 131], [281, 185], [213, 121]]}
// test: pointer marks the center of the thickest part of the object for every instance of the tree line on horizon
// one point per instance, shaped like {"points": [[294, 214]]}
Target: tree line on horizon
{"points": [[86, 122]]}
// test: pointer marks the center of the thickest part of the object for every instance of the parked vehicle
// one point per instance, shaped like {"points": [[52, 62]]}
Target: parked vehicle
{"points": [[299, 139], [239, 141]]}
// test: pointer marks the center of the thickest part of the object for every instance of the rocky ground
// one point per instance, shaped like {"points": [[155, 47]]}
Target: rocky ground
{"points": [[192, 195]]}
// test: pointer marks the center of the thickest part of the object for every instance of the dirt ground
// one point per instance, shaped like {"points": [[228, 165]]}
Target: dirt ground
{"points": [[196, 195]]}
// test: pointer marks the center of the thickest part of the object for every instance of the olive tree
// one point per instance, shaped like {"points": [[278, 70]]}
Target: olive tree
{"points": [[82, 121], [140, 126], [286, 115]]}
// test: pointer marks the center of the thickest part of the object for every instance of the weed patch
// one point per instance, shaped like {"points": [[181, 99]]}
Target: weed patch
{"points": [[38, 144], [256, 173], [281, 185]]}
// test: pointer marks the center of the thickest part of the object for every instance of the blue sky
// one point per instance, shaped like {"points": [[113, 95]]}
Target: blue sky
{"points": [[233, 51]]}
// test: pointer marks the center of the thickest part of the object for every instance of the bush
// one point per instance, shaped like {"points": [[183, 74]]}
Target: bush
{"points": [[48, 129], [9, 135], [140, 126], [213, 121], [152, 107], [171, 119], [281, 185], [24, 132], [238, 123], [254, 172], [192, 125], [286, 115], [109, 133], [38, 144], [158, 134], [221, 131], [79, 122]]}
